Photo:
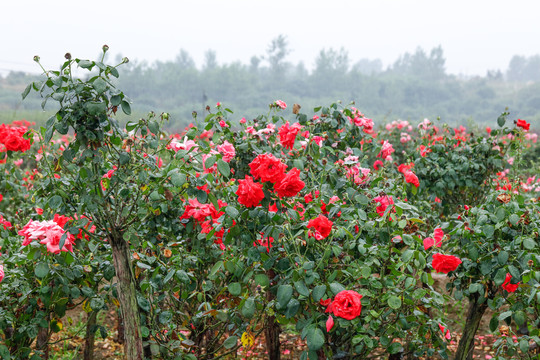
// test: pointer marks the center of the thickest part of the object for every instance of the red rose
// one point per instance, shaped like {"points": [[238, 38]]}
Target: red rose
{"points": [[1, 273], [507, 286], [287, 134], [249, 193], [322, 227], [523, 124], [411, 178], [15, 142], [384, 201], [290, 184], [346, 305], [445, 263], [378, 164], [267, 168]]}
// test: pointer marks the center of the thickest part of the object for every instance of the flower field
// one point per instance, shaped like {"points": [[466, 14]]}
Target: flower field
{"points": [[321, 234]]}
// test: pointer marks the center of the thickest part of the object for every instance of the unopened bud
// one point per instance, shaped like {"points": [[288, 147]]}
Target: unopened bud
{"points": [[530, 262], [165, 116], [105, 48], [68, 56], [36, 58], [125, 60]]}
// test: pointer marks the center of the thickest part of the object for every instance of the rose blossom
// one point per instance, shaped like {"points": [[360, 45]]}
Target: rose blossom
{"points": [[249, 193], [347, 305], [287, 134], [281, 104], [227, 150], [290, 184], [445, 263], [523, 124], [506, 285], [267, 167], [1, 273], [321, 226]]}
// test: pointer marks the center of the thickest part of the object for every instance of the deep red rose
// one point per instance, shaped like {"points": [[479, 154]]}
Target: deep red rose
{"points": [[15, 142], [378, 164], [249, 193], [507, 286], [346, 305], [523, 124], [445, 263], [267, 168], [322, 227], [290, 184]]}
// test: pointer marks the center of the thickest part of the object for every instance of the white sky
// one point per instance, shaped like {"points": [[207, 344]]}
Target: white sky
{"points": [[476, 35]]}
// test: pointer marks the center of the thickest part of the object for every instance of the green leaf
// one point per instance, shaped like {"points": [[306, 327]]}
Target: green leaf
{"points": [[336, 288], [318, 292], [284, 295], [55, 202], [514, 219], [96, 108], [232, 212], [145, 332], [248, 310], [395, 347], [126, 108], [116, 100], [500, 276], [502, 258], [519, 317], [394, 302], [209, 162], [501, 120], [493, 324], [230, 342], [292, 308], [407, 255], [86, 64], [153, 127], [100, 85], [41, 270], [505, 314], [524, 345], [165, 317], [178, 179], [315, 339], [235, 288], [301, 287], [223, 168], [217, 266], [26, 91], [262, 280], [529, 244], [488, 230]]}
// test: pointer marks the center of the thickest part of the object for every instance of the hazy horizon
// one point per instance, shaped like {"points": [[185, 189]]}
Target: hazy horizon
{"points": [[475, 36]]}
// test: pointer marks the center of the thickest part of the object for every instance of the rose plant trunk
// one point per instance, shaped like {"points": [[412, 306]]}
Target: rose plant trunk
{"points": [[474, 317], [127, 296]]}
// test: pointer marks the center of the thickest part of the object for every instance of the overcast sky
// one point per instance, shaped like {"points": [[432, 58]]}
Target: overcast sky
{"points": [[476, 35]]}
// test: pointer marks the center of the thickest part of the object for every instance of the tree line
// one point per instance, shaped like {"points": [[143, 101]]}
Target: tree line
{"points": [[414, 87]]}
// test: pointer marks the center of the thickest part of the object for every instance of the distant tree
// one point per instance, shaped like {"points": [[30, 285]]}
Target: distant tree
{"points": [[184, 60], [367, 66], [420, 65], [277, 51], [522, 68], [254, 63], [210, 60], [332, 61]]}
